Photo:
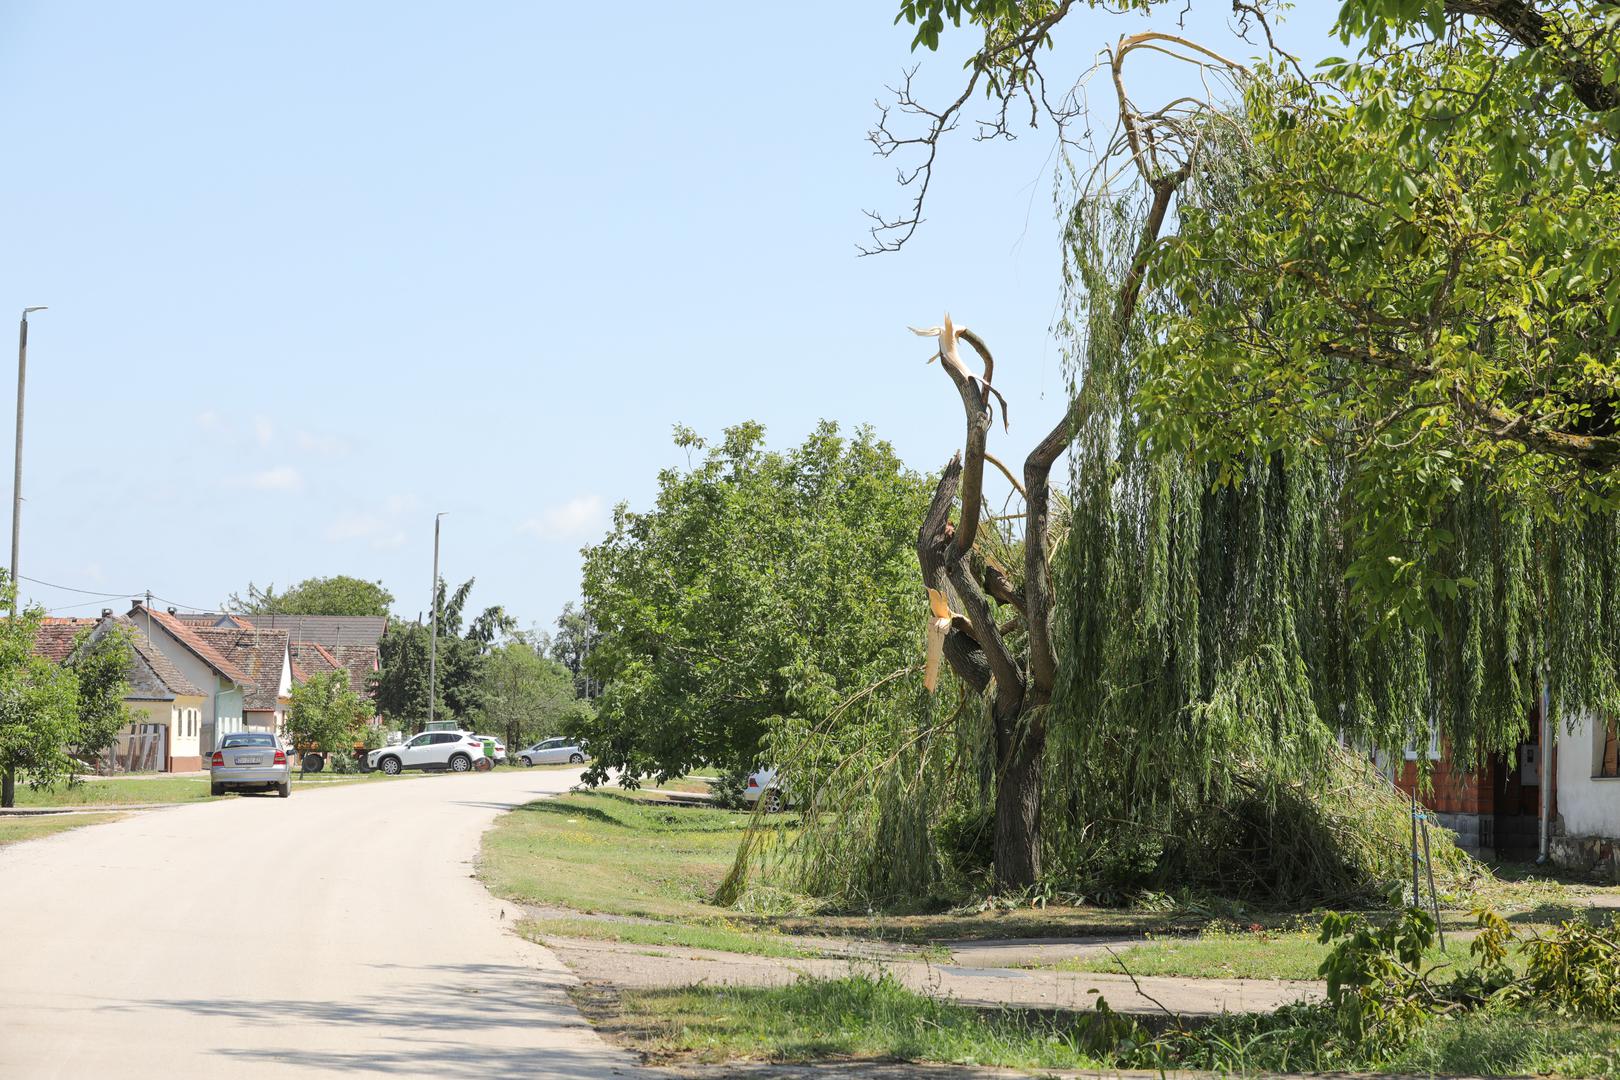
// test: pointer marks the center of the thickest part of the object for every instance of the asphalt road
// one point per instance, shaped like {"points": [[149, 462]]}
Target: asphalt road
{"points": [[336, 932]]}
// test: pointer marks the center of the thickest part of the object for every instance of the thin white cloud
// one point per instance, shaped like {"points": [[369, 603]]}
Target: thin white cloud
{"points": [[278, 478], [263, 430], [571, 520], [389, 541], [320, 444], [355, 526]]}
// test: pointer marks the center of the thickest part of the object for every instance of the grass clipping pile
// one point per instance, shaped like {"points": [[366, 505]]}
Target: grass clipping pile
{"points": [[1344, 838]]}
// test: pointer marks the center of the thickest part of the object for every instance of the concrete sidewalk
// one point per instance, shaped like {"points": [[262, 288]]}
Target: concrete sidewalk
{"points": [[666, 967]]}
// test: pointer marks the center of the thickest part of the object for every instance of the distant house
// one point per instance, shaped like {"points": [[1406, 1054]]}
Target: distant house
{"points": [[264, 658], [222, 683], [316, 641], [167, 708]]}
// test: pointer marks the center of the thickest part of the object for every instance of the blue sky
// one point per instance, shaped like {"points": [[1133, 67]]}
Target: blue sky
{"points": [[316, 271]]}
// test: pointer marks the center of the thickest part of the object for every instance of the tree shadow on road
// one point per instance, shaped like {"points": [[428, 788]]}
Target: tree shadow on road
{"points": [[459, 1020]]}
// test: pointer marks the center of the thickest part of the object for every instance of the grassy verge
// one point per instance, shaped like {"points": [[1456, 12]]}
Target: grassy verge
{"points": [[162, 789], [33, 826], [876, 1018], [1296, 955], [615, 854], [680, 935]]}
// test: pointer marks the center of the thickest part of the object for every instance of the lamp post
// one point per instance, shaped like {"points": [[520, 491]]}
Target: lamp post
{"points": [[433, 633], [16, 482], [8, 777]]}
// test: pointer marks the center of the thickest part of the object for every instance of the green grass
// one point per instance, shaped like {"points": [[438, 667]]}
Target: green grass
{"points": [[876, 1018], [1283, 955], [161, 789], [836, 1018], [33, 826], [680, 935], [157, 789], [613, 853]]}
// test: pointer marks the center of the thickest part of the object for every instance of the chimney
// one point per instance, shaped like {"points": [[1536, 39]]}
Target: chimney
{"points": [[174, 611], [137, 603], [106, 613]]}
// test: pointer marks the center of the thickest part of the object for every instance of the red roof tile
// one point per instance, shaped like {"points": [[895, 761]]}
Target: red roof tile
{"points": [[54, 639], [258, 653], [189, 637]]}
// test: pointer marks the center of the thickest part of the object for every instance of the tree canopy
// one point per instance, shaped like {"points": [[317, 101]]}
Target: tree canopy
{"points": [[526, 696], [1413, 263], [339, 595], [39, 704], [760, 588], [326, 715], [402, 683]]}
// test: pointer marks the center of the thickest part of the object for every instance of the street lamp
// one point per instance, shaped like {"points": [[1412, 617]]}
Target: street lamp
{"points": [[433, 639], [16, 482], [8, 777]]}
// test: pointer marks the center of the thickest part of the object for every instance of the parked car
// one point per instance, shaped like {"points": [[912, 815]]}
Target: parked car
{"points": [[553, 752], [452, 750], [500, 747], [762, 789], [249, 759]]}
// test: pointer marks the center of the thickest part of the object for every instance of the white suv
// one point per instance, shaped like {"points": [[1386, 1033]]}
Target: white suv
{"points": [[453, 750]]}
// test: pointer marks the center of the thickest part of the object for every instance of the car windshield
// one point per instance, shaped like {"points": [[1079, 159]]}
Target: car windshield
{"points": [[247, 740]]}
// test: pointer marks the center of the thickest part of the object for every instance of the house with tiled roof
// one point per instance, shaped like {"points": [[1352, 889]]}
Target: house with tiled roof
{"points": [[221, 682], [166, 708], [349, 641], [264, 658]]}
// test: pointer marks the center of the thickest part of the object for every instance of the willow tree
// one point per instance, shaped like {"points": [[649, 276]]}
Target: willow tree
{"points": [[1343, 408], [1020, 681]]}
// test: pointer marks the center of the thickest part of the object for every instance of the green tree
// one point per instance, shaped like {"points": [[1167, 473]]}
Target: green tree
{"points": [[340, 595], [326, 715], [101, 665], [571, 644], [525, 695], [401, 685], [39, 707], [762, 586], [1412, 262], [1344, 352]]}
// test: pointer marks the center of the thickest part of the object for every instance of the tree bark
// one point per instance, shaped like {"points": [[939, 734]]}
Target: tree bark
{"points": [[8, 788], [1020, 753]]}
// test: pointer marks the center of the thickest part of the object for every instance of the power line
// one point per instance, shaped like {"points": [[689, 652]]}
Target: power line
{"points": [[178, 604], [69, 588], [70, 607], [109, 595]]}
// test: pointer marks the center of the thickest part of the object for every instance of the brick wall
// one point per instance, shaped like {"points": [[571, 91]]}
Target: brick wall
{"points": [[1452, 790]]}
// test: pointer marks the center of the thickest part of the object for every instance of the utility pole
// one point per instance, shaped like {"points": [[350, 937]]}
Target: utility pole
{"points": [[433, 632], [8, 780]]}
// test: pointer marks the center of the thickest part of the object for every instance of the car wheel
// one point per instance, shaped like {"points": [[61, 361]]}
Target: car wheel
{"points": [[285, 790], [216, 789], [772, 801], [576, 759], [526, 762], [460, 763], [389, 765], [314, 763]]}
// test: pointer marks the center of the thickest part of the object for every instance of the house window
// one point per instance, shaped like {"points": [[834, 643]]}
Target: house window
{"points": [[1411, 753], [1607, 763]]}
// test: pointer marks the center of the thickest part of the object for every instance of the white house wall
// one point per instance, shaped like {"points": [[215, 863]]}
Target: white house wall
{"points": [[1588, 805]]}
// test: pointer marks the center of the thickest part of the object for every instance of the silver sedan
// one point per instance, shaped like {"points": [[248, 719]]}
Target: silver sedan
{"points": [[553, 752], [250, 759]]}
